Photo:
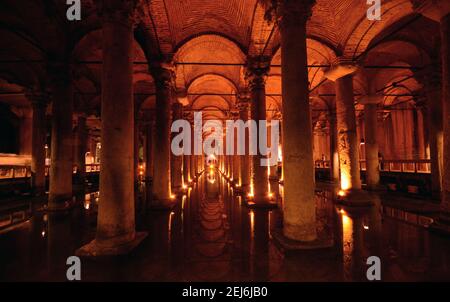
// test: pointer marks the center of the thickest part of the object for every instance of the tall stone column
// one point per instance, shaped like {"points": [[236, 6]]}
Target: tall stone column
{"points": [[163, 74], [177, 161], [334, 153], [371, 145], [342, 74], [39, 104], [299, 209], [116, 210], [149, 149], [256, 74], [436, 131], [81, 147], [439, 10], [445, 52], [236, 159], [186, 159], [61, 168]]}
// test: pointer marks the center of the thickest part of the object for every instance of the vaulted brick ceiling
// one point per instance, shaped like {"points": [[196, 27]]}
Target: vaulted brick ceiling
{"points": [[219, 31]]}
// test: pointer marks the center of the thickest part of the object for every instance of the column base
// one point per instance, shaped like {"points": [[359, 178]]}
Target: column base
{"points": [[375, 188], [261, 203], [288, 245], [441, 224], [355, 198], [60, 206], [162, 204], [94, 249]]}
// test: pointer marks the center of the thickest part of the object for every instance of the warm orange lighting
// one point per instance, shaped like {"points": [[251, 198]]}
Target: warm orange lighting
{"points": [[184, 187], [366, 227], [270, 194], [345, 180], [250, 195], [43, 234], [172, 196], [342, 193]]}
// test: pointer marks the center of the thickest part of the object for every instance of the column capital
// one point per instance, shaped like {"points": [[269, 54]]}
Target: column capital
{"points": [[123, 12], [341, 67], [59, 73], [243, 101], [433, 9], [287, 12], [37, 97], [257, 71], [163, 72], [373, 99]]}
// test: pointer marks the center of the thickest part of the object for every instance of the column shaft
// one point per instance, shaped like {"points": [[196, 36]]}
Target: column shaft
{"points": [[177, 161], [38, 147], [348, 144], [334, 153], [80, 148], [371, 146], [62, 140], [445, 51], [299, 209], [257, 88], [162, 176]]}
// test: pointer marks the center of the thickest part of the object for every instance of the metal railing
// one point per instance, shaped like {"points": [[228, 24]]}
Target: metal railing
{"points": [[21, 171], [390, 165]]}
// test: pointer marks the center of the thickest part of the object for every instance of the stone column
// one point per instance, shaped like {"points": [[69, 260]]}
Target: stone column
{"points": [[116, 210], [256, 74], [436, 131], [149, 162], [236, 160], [163, 75], [299, 209], [342, 74], [61, 167], [177, 161], [445, 52], [371, 145], [80, 147], [439, 10], [186, 160], [39, 104], [334, 153]]}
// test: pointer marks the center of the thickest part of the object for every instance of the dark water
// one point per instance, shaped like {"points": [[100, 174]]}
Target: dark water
{"points": [[210, 236]]}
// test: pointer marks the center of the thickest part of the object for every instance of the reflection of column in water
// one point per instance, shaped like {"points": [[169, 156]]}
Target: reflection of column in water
{"points": [[260, 244], [58, 241], [353, 246], [245, 241]]}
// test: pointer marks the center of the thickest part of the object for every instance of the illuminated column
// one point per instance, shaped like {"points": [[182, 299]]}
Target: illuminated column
{"points": [[81, 147], [116, 213], [371, 145], [299, 209], [236, 159], [149, 161], [163, 74], [39, 103], [348, 145], [439, 11], [256, 74], [186, 160], [334, 153], [61, 167], [177, 161]]}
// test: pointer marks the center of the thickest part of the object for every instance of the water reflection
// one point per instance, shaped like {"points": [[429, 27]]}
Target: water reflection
{"points": [[211, 236]]}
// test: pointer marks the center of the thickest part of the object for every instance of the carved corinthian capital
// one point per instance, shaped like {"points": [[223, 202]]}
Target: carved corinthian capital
{"points": [[288, 12], [117, 11]]}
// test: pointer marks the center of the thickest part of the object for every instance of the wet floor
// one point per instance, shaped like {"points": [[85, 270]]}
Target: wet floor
{"points": [[211, 236]]}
